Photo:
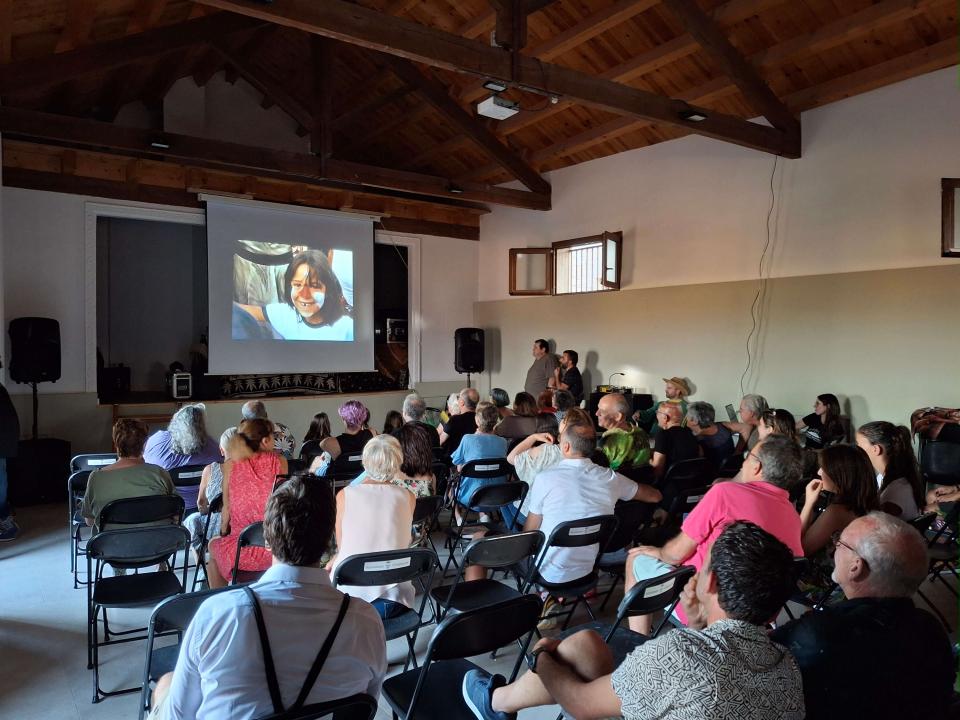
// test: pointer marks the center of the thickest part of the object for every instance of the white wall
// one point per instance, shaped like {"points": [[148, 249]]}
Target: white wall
{"points": [[864, 196]]}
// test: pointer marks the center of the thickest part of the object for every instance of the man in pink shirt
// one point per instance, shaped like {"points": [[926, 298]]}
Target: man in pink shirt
{"points": [[760, 496]]}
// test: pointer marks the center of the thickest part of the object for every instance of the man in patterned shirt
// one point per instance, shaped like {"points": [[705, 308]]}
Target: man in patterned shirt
{"points": [[722, 666]]}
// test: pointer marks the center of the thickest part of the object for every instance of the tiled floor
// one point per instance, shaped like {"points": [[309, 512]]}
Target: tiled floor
{"points": [[43, 638]]}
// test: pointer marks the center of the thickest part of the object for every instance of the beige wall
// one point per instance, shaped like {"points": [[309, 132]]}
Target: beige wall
{"points": [[886, 342]]}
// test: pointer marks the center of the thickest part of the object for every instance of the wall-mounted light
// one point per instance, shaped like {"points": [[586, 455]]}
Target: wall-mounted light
{"points": [[495, 86]]}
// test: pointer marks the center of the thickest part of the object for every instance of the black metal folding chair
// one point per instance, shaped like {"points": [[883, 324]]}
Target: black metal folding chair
{"points": [[683, 476], [186, 480], [91, 461], [943, 553], [76, 487], [425, 520], [130, 549], [486, 499], [309, 450], [345, 469], [940, 463], [432, 691], [492, 552], [170, 617], [252, 536], [574, 534], [390, 568], [141, 510], [631, 516], [216, 505]]}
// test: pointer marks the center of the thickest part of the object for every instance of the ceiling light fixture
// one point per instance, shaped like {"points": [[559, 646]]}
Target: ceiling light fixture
{"points": [[497, 108], [495, 86], [692, 115]]}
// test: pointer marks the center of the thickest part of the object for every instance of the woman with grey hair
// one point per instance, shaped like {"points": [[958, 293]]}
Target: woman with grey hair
{"points": [[752, 407], [184, 442], [211, 487]]}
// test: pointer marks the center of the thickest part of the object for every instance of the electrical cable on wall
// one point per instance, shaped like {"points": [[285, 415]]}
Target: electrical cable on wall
{"points": [[756, 307]]}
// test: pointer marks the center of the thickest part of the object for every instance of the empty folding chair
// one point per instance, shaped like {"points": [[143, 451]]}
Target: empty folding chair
{"points": [[76, 487], [940, 463], [390, 568], [170, 617], [433, 691], [186, 480], [130, 549], [252, 536], [486, 499]]}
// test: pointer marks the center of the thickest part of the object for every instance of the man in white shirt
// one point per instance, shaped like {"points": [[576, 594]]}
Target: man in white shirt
{"points": [[221, 673]]}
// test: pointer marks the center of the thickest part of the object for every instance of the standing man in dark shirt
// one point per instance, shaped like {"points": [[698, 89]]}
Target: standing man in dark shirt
{"points": [[465, 423], [567, 376], [541, 374], [674, 442], [874, 655]]}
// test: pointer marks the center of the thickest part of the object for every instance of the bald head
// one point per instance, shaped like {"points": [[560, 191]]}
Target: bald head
{"points": [[888, 557], [469, 397], [613, 411], [669, 414]]}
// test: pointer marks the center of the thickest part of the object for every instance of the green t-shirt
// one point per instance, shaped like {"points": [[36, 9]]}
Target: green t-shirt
{"points": [[105, 486]]}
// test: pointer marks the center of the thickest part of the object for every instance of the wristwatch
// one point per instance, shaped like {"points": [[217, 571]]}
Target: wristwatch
{"points": [[534, 656]]}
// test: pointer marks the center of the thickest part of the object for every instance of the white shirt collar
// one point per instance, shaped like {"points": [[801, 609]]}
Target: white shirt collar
{"points": [[280, 572]]}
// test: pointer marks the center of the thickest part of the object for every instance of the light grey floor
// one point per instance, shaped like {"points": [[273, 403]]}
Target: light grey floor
{"points": [[43, 670]]}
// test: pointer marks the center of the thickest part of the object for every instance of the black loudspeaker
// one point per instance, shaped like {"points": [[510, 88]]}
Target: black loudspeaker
{"points": [[468, 350], [34, 350]]}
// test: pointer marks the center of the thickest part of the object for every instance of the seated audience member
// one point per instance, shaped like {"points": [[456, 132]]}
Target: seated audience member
{"points": [[567, 376], [374, 516], [319, 429], [130, 476], [355, 435], [761, 496], [676, 390], [523, 422], [751, 408], [392, 422], [623, 444], [463, 423], [414, 412], [540, 376], [674, 442], [184, 442], [545, 402], [540, 451], [220, 673], [874, 655], [480, 445], [416, 447], [500, 398], [715, 440], [936, 423], [845, 490], [211, 486], [891, 453], [941, 494], [283, 439], [724, 666], [776, 421], [248, 481], [823, 426], [563, 401], [451, 408]]}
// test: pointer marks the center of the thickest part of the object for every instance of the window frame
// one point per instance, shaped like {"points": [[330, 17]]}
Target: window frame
{"points": [[949, 188], [549, 280], [551, 266]]}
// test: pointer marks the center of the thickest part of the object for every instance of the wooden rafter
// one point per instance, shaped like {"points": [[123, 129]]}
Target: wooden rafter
{"points": [[6, 31], [207, 66], [79, 25], [54, 69], [734, 65], [435, 93], [370, 106], [321, 138], [145, 15], [368, 28], [203, 152]]}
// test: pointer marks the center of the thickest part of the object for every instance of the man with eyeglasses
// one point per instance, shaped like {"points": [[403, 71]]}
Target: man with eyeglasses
{"points": [[874, 655]]}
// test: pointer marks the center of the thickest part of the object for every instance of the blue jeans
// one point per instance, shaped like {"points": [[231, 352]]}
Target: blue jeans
{"points": [[388, 608], [4, 506]]}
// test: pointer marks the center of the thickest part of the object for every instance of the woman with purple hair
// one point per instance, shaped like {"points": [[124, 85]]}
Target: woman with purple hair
{"points": [[355, 435]]}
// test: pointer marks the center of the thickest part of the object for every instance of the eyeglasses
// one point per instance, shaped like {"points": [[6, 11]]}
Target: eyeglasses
{"points": [[837, 541]]}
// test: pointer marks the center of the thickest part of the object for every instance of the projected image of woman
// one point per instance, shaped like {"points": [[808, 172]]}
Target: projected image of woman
{"points": [[313, 307]]}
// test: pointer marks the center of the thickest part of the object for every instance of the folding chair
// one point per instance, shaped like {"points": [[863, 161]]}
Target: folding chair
{"points": [[296, 467], [683, 475], [492, 552], [631, 516], [309, 450], [425, 519], [216, 505], [389, 568], [731, 466], [186, 480], [432, 692], [441, 474], [943, 556], [76, 487], [252, 536], [131, 549], [91, 461], [940, 463], [170, 617], [487, 499], [345, 469], [574, 534], [141, 511]]}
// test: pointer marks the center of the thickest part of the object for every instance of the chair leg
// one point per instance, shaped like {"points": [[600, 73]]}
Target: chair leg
{"points": [[566, 623], [586, 604]]}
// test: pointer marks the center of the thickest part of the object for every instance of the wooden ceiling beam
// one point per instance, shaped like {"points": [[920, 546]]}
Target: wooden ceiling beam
{"points": [[145, 15], [735, 66], [268, 163], [321, 138], [435, 93], [78, 26], [368, 28], [109, 54], [370, 106], [6, 31]]}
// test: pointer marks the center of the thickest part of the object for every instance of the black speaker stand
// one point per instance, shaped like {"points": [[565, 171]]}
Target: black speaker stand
{"points": [[468, 380], [35, 406]]}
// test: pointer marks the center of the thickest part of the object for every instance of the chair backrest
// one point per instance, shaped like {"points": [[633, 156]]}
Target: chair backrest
{"points": [[297, 466], [252, 536], [441, 473], [385, 568], [216, 505], [486, 468], [731, 466], [91, 461], [940, 463], [485, 629], [141, 510], [631, 515], [187, 475], [426, 508], [351, 462], [139, 545], [583, 532], [497, 495], [922, 523], [176, 612], [77, 482], [309, 450], [356, 707], [499, 551], [686, 501], [686, 474], [656, 593]]}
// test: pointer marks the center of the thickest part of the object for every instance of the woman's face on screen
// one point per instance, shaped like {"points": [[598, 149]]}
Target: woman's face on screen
{"points": [[307, 293]]}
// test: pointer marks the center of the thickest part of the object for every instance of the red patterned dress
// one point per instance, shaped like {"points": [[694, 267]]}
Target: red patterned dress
{"points": [[251, 482]]}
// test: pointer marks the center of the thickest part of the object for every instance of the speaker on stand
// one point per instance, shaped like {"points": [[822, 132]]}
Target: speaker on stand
{"points": [[468, 351]]}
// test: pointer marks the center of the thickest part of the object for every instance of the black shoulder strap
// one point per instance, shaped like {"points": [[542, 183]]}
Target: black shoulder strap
{"points": [[318, 662]]}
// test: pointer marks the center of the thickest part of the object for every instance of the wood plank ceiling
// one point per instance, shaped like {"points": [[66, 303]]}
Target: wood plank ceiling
{"points": [[389, 101]]}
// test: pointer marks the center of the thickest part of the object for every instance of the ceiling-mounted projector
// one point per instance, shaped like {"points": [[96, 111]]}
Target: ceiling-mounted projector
{"points": [[498, 108]]}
